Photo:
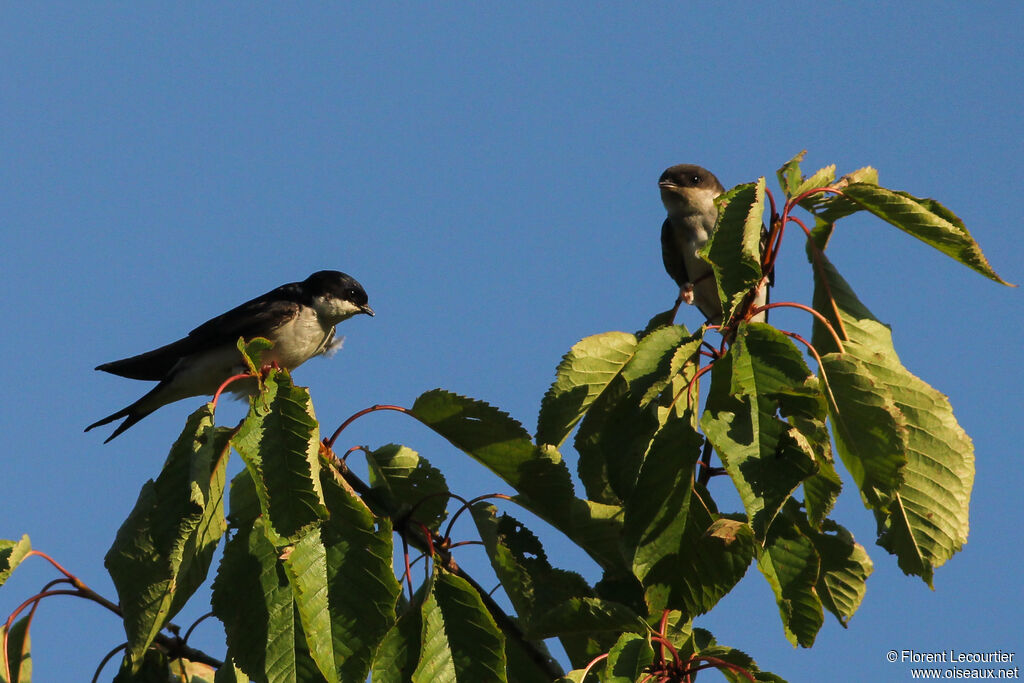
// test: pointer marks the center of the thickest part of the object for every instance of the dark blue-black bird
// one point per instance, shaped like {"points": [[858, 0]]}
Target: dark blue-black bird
{"points": [[299, 318]]}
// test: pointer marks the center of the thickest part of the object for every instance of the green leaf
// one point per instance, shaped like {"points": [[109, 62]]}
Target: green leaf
{"points": [[830, 207], [657, 511], [822, 178], [585, 616], [790, 176], [279, 440], [628, 659], [361, 586], [596, 528], [734, 250], [532, 585], [229, 673], [18, 656], [585, 371], [163, 550], [790, 563], [11, 555], [305, 563], [151, 667], [925, 219], [617, 431], [254, 601], [500, 443], [845, 568], [766, 458], [399, 651], [924, 520], [869, 429], [252, 352], [461, 642], [409, 484], [713, 555], [821, 490]]}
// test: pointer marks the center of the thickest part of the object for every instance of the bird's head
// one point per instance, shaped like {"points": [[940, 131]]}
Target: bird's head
{"points": [[687, 189], [336, 296]]}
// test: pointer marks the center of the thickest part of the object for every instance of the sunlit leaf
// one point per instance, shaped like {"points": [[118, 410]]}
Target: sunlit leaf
{"points": [[461, 642], [582, 375], [164, 548], [279, 440]]}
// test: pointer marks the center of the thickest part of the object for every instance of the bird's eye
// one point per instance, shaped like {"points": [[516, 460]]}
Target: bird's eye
{"points": [[695, 179]]}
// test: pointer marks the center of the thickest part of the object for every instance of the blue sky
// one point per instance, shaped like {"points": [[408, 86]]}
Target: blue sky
{"points": [[489, 175]]}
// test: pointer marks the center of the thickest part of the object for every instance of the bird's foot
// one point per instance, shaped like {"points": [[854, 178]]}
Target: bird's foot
{"points": [[267, 367], [686, 293]]}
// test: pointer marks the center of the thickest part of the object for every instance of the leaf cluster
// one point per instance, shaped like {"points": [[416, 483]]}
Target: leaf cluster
{"points": [[307, 590]]}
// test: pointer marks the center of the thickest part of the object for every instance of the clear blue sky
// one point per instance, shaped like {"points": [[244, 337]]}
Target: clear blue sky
{"points": [[489, 175]]}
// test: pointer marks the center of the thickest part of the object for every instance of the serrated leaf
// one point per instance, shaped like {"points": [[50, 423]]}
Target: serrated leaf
{"points": [[409, 484], [830, 207], [533, 586], [279, 440], [584, 616], [766, 458], [460, 640], [229, 673], [596, 527], [656, 513], [254, 601], [164, 548], [869, 429], [740, 659], [399, 651], [628, 659], [821, 490], [714, 554], [18, 658], [823, 177], [617, 431], [583, 374], [845, 568], [790, 176], [925, 520], [11, 555], [925, 219], [361, 586], [306, 567], [500, 443], [151, 667], [790, 563], [734, 250]]}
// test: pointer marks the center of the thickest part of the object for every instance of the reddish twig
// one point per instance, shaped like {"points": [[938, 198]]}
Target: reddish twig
{"points": [[715, 662], [364, 449], [592, 664], [365, 411], [824, 321], [225, 383], [468, 504], [103, 662]]}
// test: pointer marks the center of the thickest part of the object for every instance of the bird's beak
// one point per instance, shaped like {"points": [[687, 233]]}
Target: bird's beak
{"points": [[668, 185], [365, 308]]}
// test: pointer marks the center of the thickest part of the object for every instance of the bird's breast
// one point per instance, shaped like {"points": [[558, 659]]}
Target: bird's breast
{"points": [[298, 340]]}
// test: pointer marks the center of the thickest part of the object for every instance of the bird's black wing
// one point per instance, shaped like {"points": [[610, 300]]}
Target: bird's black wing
{"points": [[671, 256], [254, 318]]}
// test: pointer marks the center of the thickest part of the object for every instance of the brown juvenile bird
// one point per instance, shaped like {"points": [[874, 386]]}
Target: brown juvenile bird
{"points": [[688, 193]]}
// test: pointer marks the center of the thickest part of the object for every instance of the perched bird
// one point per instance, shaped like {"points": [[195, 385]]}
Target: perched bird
{"points": [[688, 193], [298, 317]]}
